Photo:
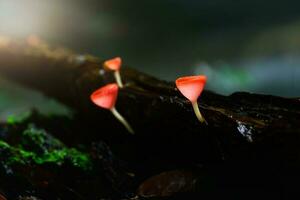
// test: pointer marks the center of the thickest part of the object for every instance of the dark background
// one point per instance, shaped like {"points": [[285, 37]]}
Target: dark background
{"points": [[240, 45]]}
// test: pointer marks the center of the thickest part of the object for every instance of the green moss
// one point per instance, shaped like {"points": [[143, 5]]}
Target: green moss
{"points": [[3, 145], [56, 156], [21, 156], [37, 147], [12, 155], [72, 155], [39, 141], [77, 158]]}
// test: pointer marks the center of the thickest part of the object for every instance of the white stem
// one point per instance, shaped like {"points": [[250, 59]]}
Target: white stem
{"points": [[197, 112], [122, 120], [118, 79]]}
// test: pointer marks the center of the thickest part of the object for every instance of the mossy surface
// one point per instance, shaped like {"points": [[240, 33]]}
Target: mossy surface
{"points": [[37, 147], [16, 155], [12, 155], [39, 140]]}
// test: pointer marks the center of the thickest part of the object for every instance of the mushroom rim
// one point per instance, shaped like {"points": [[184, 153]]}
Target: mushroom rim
{"points": [[107, 66], [191, 79], [105, 90]]}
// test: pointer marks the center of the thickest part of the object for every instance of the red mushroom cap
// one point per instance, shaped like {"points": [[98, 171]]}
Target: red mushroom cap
{"points": [[191, 86], [113, 64], [106, 96]]}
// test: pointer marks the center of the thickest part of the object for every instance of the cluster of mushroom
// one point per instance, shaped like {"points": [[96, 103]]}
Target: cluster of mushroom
{"points": [[105, 97]]}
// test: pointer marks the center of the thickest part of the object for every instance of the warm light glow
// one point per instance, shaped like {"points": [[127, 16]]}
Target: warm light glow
{"points": [[4, 41], [19, 17], [60, 21], [45, 18]]}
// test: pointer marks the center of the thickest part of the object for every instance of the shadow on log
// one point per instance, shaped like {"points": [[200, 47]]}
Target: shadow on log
{"points": [[251, 142]]}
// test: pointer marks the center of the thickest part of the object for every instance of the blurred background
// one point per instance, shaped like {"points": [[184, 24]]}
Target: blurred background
{"points": [[240, 45]]}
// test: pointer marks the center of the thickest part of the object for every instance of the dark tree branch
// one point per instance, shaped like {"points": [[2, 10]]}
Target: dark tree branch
{"points": [[153, 107]]}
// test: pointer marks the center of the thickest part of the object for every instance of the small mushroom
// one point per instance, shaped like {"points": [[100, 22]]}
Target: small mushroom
{"points": [[105, 97], [115, 65], [191, 87]]}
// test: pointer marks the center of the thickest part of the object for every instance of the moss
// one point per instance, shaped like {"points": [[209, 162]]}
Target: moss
{"points": [[18, 155], [35, 146], [3, 145], [59, 157], [77, 158], [12, 155], [39, 140]]}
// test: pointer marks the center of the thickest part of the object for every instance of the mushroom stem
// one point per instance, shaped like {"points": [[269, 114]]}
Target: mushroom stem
{"points": [[122, 120], [198, 113], [118, 78]]}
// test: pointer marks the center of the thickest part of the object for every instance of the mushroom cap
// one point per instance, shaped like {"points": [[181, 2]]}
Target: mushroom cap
{"points": [[106, 96], [113, 64], [191, 86]]}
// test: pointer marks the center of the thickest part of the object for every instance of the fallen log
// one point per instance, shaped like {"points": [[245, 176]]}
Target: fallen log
{"points": [[71, 78], [253, 136]]}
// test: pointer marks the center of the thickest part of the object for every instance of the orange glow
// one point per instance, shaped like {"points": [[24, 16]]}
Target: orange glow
{"points": [[33, 40], [4, 41]]}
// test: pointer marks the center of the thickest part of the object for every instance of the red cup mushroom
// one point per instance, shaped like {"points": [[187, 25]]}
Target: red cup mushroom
{"points": [[105, 97], [115, 65], [191, 87]]}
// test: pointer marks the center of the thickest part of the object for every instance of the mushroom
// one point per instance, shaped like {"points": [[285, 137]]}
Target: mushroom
{"points": [[191, 87], [105, 97], [115, 65]]}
